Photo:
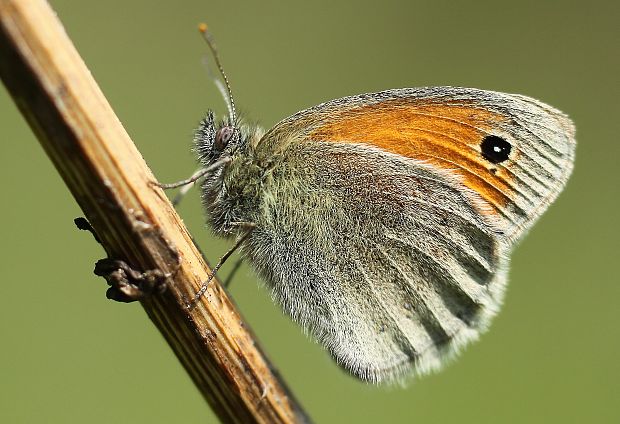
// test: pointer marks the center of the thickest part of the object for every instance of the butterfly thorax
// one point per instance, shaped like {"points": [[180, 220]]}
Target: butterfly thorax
{"points": [[231, 193]]}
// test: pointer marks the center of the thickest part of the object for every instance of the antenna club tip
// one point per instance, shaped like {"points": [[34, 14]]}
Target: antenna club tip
{"points": [[202, 27]]}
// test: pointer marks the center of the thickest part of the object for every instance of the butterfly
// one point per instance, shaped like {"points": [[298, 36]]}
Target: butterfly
{"points": [[383, 223]]}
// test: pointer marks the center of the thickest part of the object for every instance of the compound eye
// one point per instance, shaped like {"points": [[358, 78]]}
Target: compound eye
{"points": [[222, 137]]}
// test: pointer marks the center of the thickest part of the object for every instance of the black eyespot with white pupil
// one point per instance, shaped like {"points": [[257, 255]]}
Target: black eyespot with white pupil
{"points": [[222, 137], [495, 149]]}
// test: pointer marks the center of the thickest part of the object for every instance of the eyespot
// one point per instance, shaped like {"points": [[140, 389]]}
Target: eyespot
{"points": [[495, 149], [222, 137]]}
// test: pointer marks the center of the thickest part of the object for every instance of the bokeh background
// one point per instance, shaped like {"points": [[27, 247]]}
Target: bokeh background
{"points": [[553, 354]]}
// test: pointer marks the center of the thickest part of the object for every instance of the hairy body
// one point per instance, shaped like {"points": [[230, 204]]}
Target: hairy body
{"points": [[392, 261]]}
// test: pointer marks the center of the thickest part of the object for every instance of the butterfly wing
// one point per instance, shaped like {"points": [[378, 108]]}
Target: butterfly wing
{"points": [[447, 127], [384, 260], [383, 232]]}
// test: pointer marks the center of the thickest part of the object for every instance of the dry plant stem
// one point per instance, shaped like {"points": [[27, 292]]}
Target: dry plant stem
{"points": [[111, 182]]}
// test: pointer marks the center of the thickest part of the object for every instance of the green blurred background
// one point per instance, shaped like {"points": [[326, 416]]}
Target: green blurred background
{"points": [[69, 355]]}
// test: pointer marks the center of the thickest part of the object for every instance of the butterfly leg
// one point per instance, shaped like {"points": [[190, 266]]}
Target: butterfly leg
{"points": [[188, 183], [182, 192], [233, 272], [248, 227]]}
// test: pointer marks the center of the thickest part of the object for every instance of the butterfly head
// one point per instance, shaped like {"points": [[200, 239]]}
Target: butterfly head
{"points": [[214, 140]]}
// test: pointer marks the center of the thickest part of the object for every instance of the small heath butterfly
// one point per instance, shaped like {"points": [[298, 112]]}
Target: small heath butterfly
{"points": [[383, 222]]}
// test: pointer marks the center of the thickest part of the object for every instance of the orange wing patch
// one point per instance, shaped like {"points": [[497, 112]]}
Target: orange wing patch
{"points": [[445, 135]]}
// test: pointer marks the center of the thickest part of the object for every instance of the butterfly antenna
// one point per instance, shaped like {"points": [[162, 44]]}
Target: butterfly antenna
{"points": [[218, 84], [228, 93]]}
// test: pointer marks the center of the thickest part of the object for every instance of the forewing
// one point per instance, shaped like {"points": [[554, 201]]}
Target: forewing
{"points": [[444, 126]]}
